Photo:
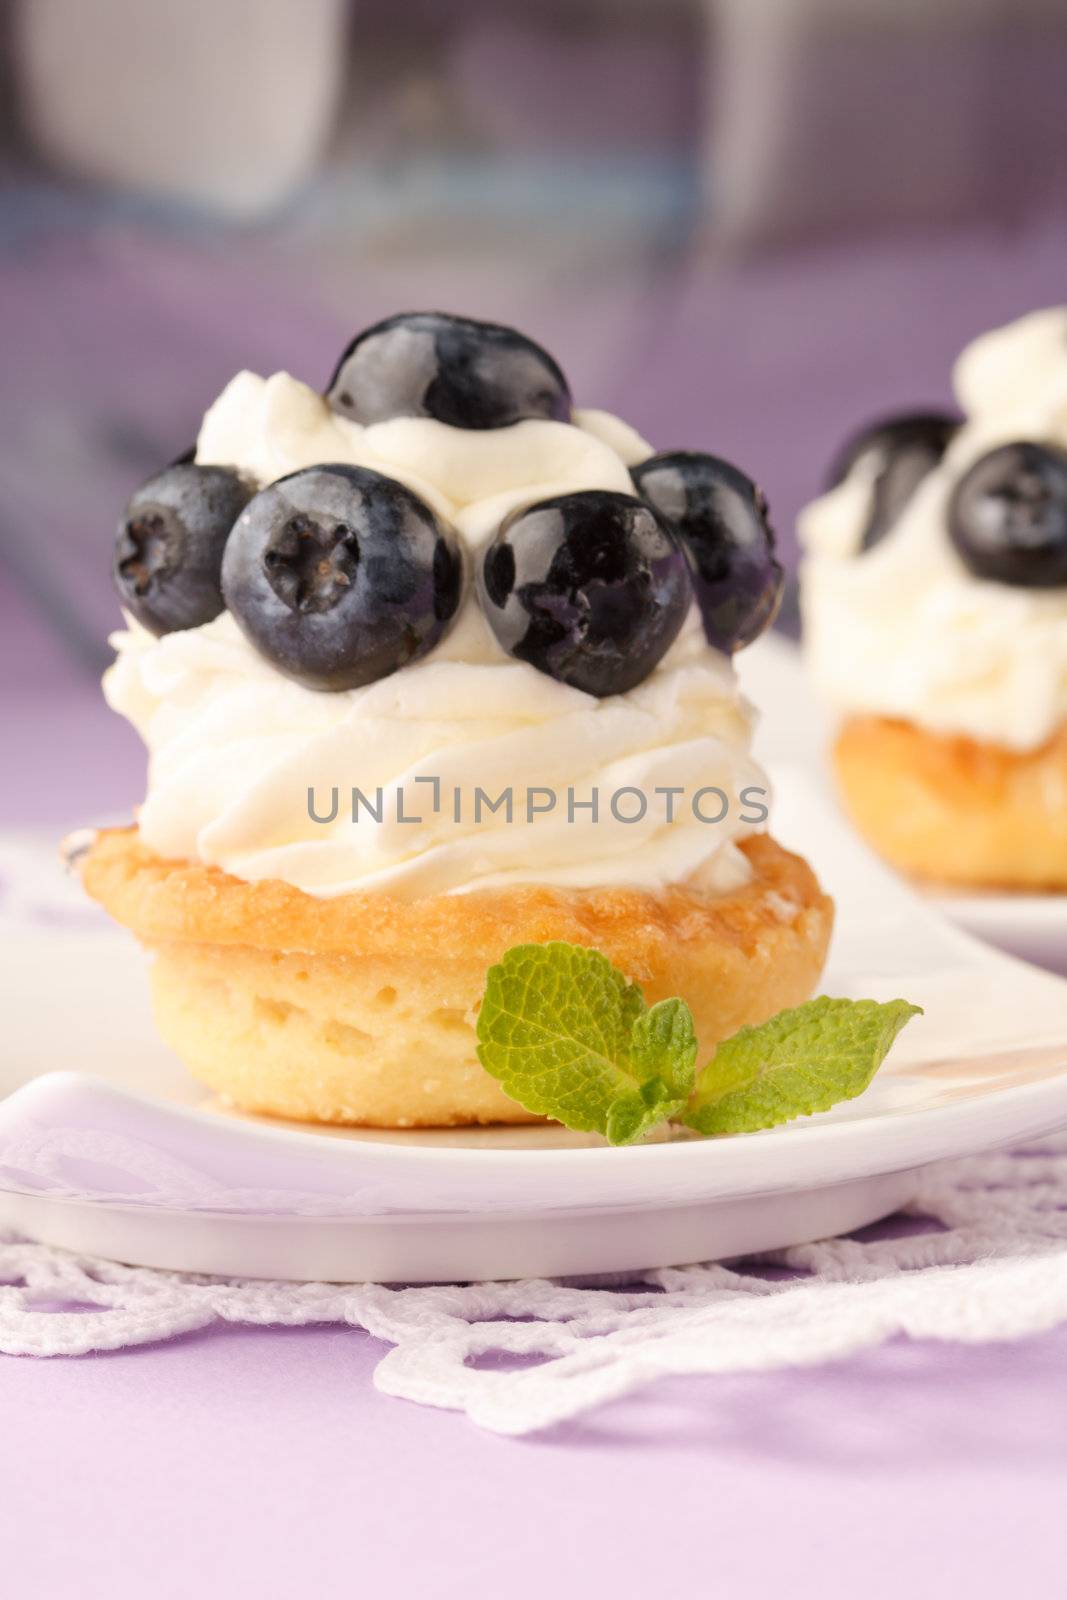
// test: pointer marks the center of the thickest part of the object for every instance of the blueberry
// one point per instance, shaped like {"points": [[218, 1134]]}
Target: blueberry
{"points": [[1008, 516], [898, 452], [590, 588], [168, 552], [427, 364], [340, 576], [721, 516]]}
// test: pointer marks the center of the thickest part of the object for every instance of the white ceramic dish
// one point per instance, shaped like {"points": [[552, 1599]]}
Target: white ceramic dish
{"points": [[1030, 926], [107, 1146]]}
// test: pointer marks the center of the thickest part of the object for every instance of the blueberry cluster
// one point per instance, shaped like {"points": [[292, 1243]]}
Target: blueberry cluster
{"points": [[1007, 515], [340, 576]]}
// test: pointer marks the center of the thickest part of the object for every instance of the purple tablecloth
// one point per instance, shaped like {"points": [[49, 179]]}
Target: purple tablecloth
{"points": [[263, 1463]]}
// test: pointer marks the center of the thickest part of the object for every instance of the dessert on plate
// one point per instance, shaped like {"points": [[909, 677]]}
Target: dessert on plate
{"points": [[934, 591], [428, 665]]}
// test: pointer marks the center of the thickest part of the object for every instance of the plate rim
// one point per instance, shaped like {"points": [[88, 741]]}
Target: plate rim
{"points": [[1039, 1105]]}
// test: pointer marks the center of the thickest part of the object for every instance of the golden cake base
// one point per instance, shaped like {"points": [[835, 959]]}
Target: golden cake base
{"points": [[954, 810], [361, 1009]]}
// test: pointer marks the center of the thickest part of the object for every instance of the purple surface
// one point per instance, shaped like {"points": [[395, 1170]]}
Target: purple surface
{"points": [[74, 761], [246, 1462]]}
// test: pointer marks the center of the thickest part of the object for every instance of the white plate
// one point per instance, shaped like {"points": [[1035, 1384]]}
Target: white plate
{"points": [[120, 1155], [1030, 926]]}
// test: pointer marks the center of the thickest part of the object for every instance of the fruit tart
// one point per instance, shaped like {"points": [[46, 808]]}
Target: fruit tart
{"points": [[430, 664], [934, 592]]}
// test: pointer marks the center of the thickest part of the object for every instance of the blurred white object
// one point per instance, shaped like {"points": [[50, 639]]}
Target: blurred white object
{"points": [[830, 113], [227, 105]]}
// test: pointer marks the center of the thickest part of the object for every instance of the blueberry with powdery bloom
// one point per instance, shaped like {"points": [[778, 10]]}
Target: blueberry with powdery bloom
{"points": [[896, 453], [721, 517], [1007, 517], [170, 543], [466, 373], [590, 588], [339, 576]]}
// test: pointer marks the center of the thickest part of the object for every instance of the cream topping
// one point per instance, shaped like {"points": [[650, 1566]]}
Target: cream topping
{"points": [[234, 747], [904, 629]]}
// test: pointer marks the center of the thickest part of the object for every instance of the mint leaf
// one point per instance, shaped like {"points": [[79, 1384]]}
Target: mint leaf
{"points": [[665, 1046], [568, 1036], [663, 1053], [802, 1061]]}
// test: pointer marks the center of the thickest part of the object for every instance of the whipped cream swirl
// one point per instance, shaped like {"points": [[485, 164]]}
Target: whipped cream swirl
{"points": [[234, 747], [904, 630]]}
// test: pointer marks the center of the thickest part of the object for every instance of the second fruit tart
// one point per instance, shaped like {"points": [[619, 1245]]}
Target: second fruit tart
{"points": [[934, 592]]}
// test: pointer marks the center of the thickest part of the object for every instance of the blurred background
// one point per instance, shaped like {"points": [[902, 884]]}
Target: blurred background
{"points": [[746, 225]]}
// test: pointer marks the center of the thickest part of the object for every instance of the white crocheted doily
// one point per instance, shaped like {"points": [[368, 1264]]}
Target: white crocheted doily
{"points": [[981, 1254]]}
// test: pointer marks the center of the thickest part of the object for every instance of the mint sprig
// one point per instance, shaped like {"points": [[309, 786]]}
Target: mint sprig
{"points": [[801, 1061], [568, 1036]]}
